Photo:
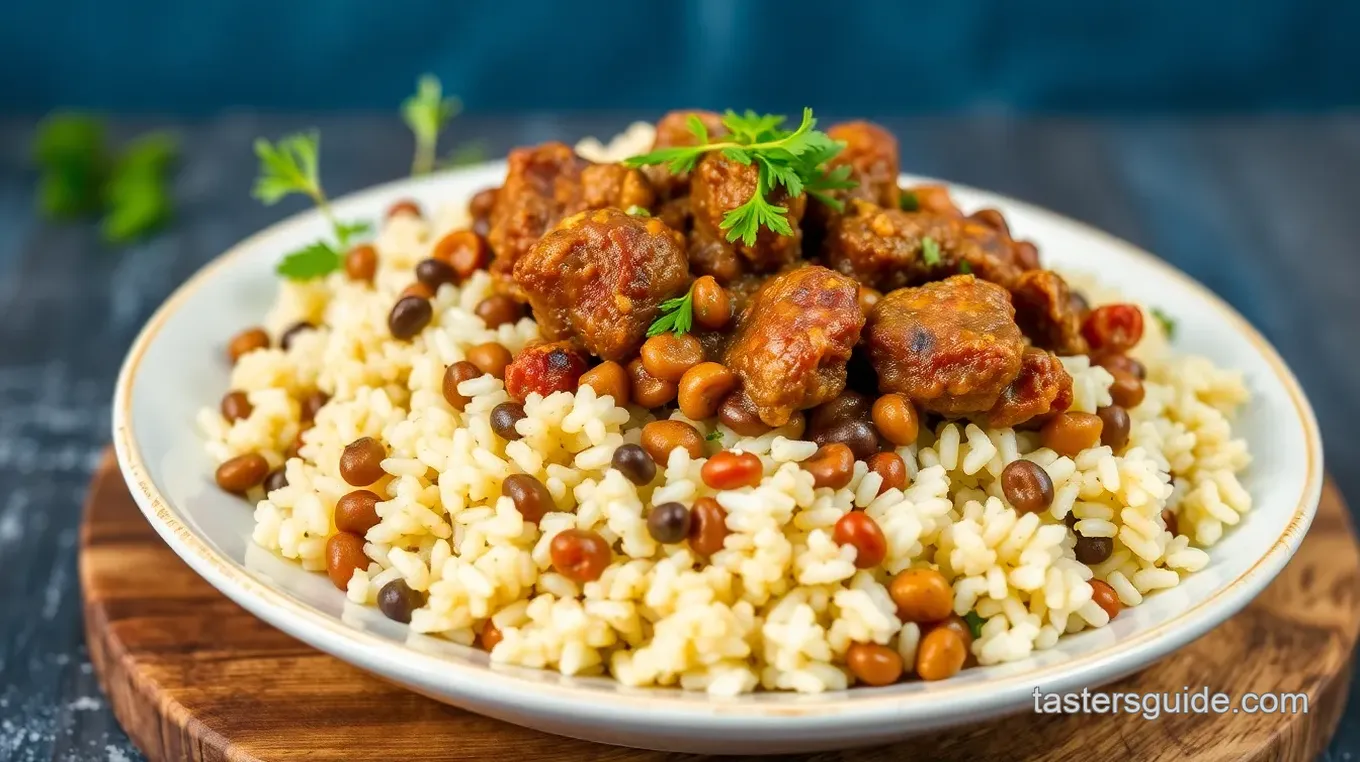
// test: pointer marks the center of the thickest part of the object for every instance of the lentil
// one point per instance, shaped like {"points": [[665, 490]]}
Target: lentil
{"points": [[530, 497], [668, 523], [712, 305], [503, 419], [1118, 362], [873, 664], [660, 437], [1172, 523], [608, 379], [708, 526], [277, 479], [1093, 550], [357, 511], [242, 473], [344, 555], [922, 595], [498, 310], [396, 600], [634, 463], [896, 419], [312, 404], [454, 375], [1105, 597], [1114, 427], [465, 251], [738, 413], [1070, 433], [1027, 486], [409, 317], [667, 356], [940, 654], [831, 466], [361, 263], [1126, 390], [417, 289], [361, 461], [732, 470], [489, 636], [236, 406], [703, 388], [245, 342], [435, 273], [490, 358], [892, 468], [858, 529], [294, 330], [579, 554], [403, 206]]}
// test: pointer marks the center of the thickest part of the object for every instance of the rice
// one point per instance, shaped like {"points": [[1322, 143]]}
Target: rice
{"points": [[780, 604]]}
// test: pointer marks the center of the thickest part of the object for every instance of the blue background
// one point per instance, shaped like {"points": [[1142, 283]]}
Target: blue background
{"points": [[877, 58]]}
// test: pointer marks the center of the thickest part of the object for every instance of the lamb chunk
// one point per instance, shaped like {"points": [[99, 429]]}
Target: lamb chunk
{"points": [[1048, 314], [1042, 387]]}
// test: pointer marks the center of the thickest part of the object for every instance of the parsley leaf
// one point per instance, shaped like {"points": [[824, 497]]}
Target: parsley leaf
{"points": [[426, 113], [793, 159], [639, 211], [136, 195], [965, 268], [348, 231], [714, 436], [311, 261], [677, 316], [908, 202], [975, 623], [930, 251], [1167, 322]]}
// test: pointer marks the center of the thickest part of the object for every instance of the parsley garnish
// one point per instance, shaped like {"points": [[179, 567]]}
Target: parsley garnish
{"points": [[426, 113], [964, 267], [677, 315], [713, 436], [794, 160], [908, 202], [930, 251], [975, 623], [1167, 322], [290, 166], [79, 176], [639, 211]]}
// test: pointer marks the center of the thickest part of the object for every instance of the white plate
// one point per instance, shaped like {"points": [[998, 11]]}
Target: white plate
{"points": [[176, 367]]}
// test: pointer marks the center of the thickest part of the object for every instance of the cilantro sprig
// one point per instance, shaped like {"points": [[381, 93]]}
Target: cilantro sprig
{"points": [[426, 113], [677, 315], [795, 159], [930, 251], [975, 623], [1167, 322], [291, 166]]}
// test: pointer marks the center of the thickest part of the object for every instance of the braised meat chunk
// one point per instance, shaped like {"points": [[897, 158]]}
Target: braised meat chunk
{"points": [[1048, 313], [719, 186], [606, 185], [887, 248], [793, 340], [671, 131], [541, 184], [950, 346], [599, 277], [871, 153], [1042, 387]]}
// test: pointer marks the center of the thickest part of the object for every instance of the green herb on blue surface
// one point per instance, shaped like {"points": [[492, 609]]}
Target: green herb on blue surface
{"points": [[1166, 321], [426, 113], [795, 159], [291, 166], [975, 623], [930, 251]]}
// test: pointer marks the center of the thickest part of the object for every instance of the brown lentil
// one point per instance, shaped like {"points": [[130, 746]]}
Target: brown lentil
{"points": [[1115, 426], [712, 305], [277, 479], [957, 624], [1093, 550], [245, 342], [1070, 433], [738, 413], [634, 463], [1121, 363], [454, 375], [361, 461], [409, 317], [896, 419], [403, 206], [503, 419], [992, 219], [708, 526], [873, 664], [1172, 523], [579, 554], [490, 358], [660, 437], [732, 470], [464, 251], [357, 511], [667, 356], [608, 379], [891, 467], [435, 273], [498, 310], [417, 289], [1105, 597], [940, 654], [236, 405], [1126, 391], [922, 595], [489, 636], [831, 466], [361, 263], [312, 404], [1027, 486], [668, 523], [243, 472], [703, 388], [294, 330], [396, 600], [858, 529], [531, 498], [344, 554]]}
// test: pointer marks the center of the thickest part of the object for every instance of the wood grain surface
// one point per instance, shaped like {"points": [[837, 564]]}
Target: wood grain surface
{"points": [[191, 675]]}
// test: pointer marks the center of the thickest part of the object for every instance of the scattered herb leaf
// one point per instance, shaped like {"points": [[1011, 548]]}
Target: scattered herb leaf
{"points": [[291, 166], [426, 113], [677, 316], [975, 623], [136, 196], [794, 159], [964, 267], [1167, 322], [466, 154], [930, 251], [714, 436], [639, 211], [908, 202]]}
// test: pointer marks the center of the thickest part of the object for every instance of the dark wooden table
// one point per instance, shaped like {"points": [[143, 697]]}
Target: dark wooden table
{"points": [[1263, 211]]}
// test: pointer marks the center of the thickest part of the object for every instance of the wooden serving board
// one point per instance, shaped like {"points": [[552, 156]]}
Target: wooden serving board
{"points": [[191, 675]]}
